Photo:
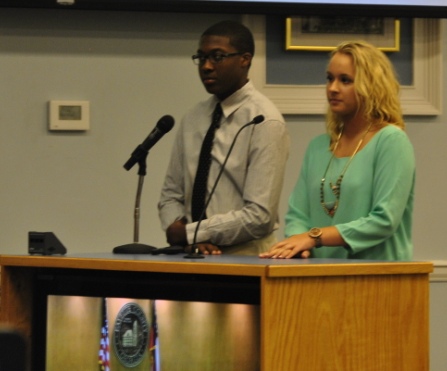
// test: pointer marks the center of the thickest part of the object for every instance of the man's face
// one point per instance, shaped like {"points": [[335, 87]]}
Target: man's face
{"points": [[222, 78]]}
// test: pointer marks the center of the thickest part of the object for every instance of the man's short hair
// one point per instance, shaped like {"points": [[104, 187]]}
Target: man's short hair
{"points": [[240, 36]]}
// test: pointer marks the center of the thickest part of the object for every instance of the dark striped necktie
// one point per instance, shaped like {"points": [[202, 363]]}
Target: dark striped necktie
{"points": [[201, 179]]}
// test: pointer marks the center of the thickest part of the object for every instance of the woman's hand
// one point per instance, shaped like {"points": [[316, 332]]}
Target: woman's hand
{"points": [[296, 245]]}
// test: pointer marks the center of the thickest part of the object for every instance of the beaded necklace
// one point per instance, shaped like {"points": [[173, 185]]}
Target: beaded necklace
{"points": [[331, 208]]}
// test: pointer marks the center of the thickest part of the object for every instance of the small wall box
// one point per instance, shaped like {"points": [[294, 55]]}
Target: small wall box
{"points": [[69, 115]]}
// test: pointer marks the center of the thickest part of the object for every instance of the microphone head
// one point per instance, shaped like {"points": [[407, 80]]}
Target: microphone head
{"points": [[258, 119], [165, 123]]}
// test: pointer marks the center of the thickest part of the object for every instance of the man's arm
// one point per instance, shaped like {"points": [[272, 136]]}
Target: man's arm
{"points": [[171, 206], [269, 148]]}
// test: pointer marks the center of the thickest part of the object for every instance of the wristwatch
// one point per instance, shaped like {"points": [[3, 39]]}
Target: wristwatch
{"points": [[316, 233]]}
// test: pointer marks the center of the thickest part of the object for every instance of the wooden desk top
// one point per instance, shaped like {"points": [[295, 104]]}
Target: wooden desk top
{"points": [[219, 264]]}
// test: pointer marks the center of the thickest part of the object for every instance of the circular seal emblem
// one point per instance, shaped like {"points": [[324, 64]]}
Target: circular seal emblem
{"points": [[130, 335]]}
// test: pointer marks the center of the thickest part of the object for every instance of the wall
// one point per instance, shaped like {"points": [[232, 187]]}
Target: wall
{"points": [[134, 68]]}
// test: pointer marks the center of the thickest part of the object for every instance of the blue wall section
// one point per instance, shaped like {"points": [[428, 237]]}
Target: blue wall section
{"points": [[297, 67]]}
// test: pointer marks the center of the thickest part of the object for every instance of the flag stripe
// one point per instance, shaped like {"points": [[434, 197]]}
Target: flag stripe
{"points": [[104, 351]]}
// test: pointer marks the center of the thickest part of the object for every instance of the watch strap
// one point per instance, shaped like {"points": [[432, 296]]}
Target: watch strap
{"points": [[315, 234]]}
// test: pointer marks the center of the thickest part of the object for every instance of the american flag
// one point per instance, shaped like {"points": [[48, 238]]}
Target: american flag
{"points": [[104, 351], [153, 340]]}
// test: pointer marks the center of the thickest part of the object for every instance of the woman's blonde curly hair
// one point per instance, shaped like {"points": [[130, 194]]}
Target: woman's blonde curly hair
{"points": [[375, 84]]}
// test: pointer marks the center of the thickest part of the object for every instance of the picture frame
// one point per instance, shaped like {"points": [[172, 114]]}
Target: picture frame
{"points": [[315, 33], [422, 98]]}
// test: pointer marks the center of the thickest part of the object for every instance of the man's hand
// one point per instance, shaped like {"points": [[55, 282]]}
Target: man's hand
{"points": [[206, 249], [176, 233]]}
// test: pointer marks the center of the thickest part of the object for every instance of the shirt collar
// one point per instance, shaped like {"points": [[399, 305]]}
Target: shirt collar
{"points": [[235, 100]]}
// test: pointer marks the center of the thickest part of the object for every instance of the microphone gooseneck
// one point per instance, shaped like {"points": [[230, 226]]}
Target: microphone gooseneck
{"points": [[195, 254]]}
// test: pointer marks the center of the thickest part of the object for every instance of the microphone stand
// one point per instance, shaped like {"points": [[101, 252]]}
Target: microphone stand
{"points": [[136, 247], [194, 253]]}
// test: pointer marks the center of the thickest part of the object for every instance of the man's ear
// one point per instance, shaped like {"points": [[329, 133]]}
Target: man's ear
{"points": [[247, 58]]}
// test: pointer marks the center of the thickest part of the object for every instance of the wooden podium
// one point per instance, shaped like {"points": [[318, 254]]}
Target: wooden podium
{"points": [[316, 314]]}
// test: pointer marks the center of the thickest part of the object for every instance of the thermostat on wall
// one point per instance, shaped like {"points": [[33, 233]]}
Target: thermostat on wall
{"points": [[69, 115]]}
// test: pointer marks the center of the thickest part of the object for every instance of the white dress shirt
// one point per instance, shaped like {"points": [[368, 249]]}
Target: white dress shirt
{"points": [[244, 206]]}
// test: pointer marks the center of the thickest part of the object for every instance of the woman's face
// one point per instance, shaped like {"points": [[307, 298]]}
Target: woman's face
{"points": [[340, 89]]}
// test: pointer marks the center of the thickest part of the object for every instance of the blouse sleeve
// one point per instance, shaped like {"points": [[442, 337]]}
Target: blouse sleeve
{"points": [[392, 194]]}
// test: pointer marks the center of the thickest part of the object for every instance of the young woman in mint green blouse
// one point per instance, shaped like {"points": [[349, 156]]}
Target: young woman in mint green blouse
{"points": [[354, 195]]}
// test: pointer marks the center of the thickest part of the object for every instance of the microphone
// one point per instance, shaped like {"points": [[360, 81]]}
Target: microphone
{"points": [[163, 126], [194, 254], [139, 155]]}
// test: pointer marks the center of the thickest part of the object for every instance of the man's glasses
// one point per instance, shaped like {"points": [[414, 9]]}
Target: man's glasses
{"points": [[214, 58]]}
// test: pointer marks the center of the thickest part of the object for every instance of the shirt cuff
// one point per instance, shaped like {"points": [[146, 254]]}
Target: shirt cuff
{"points": [[202, 234]]}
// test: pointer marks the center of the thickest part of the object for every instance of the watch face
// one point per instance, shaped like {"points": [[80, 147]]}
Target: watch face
{"points": [[315, 232], [130, 335]]}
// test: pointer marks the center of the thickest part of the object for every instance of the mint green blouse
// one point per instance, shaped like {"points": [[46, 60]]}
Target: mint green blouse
{"points": [[374, 214]]}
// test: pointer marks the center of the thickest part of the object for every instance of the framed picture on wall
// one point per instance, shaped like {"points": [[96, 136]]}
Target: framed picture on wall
{"points": [[315, 33], [422, 97]]}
